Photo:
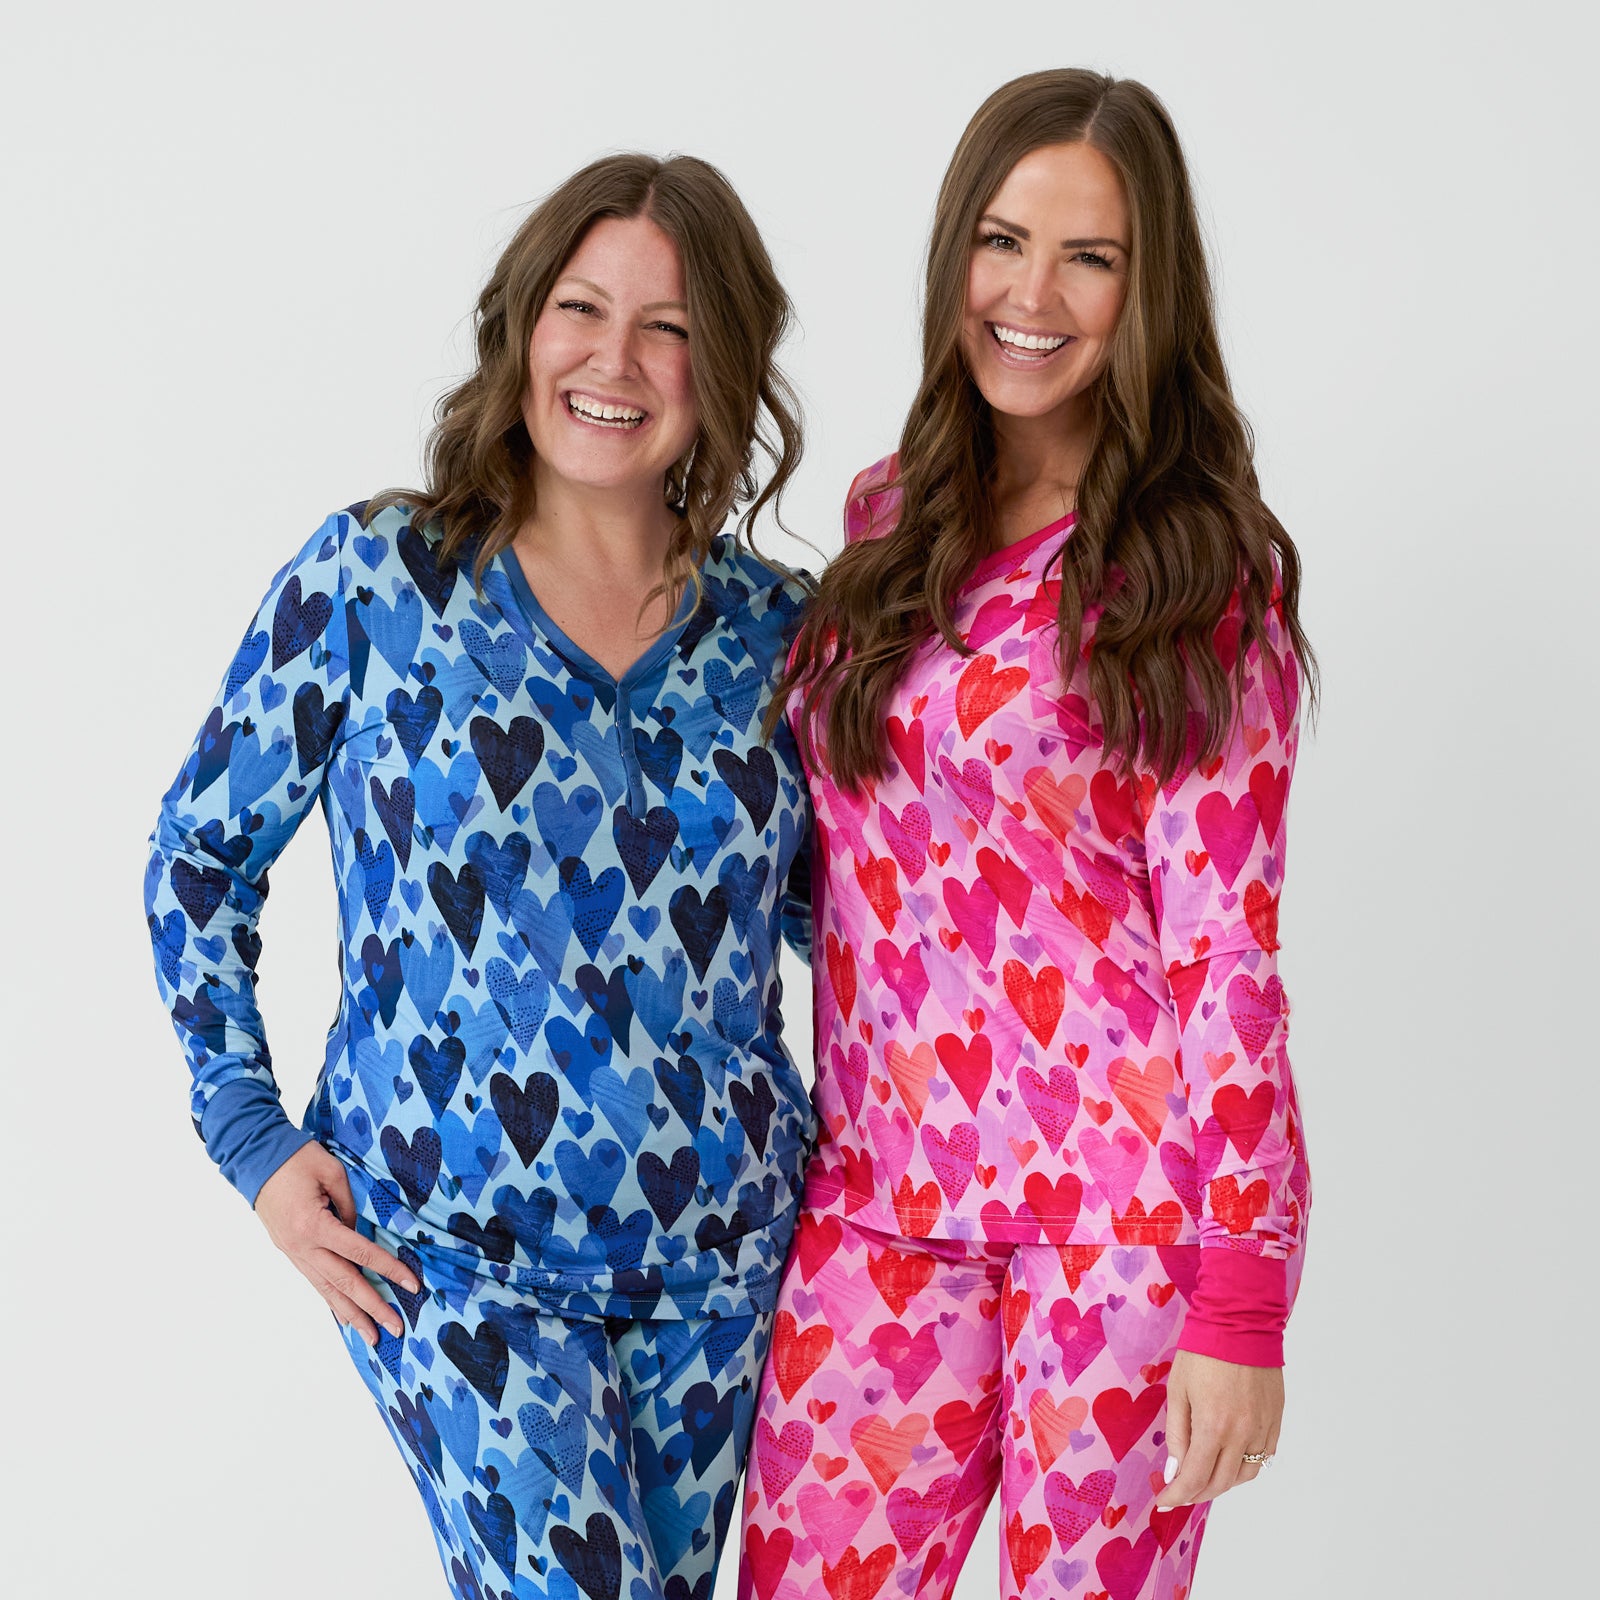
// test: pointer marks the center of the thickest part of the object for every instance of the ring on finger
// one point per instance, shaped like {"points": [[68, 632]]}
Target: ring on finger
{"points": [[1258, 1458]]}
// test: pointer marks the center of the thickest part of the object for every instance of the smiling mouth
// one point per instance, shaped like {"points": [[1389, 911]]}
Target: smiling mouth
{"points": [[604, 413], [1020, 349]]}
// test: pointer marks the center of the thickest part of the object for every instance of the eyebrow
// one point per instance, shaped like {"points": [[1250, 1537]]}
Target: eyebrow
{"points": [[1066, 244], [655, 305]]}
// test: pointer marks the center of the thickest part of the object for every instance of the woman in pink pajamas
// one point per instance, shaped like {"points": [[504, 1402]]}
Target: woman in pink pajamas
{"points": [[1049, 697]]}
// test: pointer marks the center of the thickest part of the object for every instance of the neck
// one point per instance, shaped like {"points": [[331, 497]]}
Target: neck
{"points": [[622, 533], [1038, 461]]}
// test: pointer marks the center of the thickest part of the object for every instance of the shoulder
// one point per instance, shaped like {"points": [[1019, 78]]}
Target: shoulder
{"points": [[873, 500], [739, 584]]}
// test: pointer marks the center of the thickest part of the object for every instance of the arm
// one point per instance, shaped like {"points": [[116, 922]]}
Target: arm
{"points": [[254, 770], [1215, 843]]}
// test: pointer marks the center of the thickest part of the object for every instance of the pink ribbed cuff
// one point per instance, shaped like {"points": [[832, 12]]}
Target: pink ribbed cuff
{"points": [[1239, 1309]]}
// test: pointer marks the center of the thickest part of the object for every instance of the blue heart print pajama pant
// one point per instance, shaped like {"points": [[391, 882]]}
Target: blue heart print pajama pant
{"points": [[612, 1444], [557, 1078]]}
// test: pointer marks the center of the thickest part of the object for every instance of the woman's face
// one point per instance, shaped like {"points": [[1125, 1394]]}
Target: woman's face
{"points": [[610, 399], [1047, 279]]}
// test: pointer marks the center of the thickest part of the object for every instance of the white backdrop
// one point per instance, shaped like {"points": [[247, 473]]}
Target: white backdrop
{"points": [[242, 245]]}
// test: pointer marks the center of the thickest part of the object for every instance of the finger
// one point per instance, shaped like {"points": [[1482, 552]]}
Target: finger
{"points": [[350, 1315], [337, 1183], [1197, 1466], [1225, 1474], [358, 1248], [347, 1281], [1177, 1428]]}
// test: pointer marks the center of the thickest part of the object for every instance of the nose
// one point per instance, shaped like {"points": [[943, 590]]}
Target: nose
{"points": [[615, 353], [1034, 287]]}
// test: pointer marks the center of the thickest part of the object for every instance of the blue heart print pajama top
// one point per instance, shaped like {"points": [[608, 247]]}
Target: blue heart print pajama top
{"points": [[556, 1079]]}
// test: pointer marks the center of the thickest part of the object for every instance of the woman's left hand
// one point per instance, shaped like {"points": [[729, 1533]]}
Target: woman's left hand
{"points": [[1217, 1413]]}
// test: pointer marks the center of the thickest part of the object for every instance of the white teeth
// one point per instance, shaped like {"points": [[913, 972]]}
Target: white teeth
{"points": [[1028, 341], [604, 413]]}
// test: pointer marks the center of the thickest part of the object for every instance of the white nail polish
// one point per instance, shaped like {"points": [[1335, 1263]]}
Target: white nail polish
{"points": [[1170, 1471]]}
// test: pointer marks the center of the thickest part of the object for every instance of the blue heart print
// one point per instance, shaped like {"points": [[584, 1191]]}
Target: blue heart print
{"points": [[557, 1069]]}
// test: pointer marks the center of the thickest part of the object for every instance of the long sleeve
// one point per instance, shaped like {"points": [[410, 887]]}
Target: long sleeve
{"points": [[1215, 841], [255, 769]]}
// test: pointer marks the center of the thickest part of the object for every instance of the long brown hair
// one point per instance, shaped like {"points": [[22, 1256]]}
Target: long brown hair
{"points": [[1170, 521], [479, 457]]}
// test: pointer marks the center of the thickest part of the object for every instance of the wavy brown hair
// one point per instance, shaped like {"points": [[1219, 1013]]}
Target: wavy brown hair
{"points": [[1170, 520], [479, 457]]}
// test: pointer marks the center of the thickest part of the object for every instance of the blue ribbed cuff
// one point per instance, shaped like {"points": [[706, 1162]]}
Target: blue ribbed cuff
{"points": [[248, 1134]]}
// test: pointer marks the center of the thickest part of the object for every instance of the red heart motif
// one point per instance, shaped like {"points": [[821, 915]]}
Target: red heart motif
{"points": [[1254, 1011], [981, 691], [876, 875], [1125, 1420], [1113, 804], [898, 1277], [1027, 1548], [795, 1355], [1015, 1305], [1012, 886], [1053, 1424], [841, 973], [1039, 1001], [1238, 1212], [1076, 1260], [969, 1065], [1244, 1117], [1123, 1567], [1055, 1204], [816, 1239], [910, 749], [1269, 788], [1084, 912], [855, 1579], [766, 1557], [917, 1210], [1261, 913], [1055, 802], [1143, 1093], [961, 1425]]}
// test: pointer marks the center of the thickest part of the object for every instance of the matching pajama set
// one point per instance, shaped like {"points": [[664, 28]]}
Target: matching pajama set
{"points": [[556, 1078], [1059, 1138]]}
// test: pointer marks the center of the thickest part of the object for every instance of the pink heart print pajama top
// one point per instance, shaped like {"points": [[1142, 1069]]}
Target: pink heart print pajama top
{"points": [[1047, 999]]}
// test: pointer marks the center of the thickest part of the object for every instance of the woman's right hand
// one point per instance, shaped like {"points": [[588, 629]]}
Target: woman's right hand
{"points": [[308, 1211]]}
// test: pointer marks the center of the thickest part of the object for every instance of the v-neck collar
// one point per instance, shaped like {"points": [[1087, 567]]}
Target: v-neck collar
{"points": [[535, 621]]}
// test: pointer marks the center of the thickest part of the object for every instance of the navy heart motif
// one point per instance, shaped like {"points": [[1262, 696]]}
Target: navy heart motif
{"points": [[199, 890], [414, 1162], [414, 718], [755, 1108], [754, 780], [397, 808], [495, 1522], [314, 726], [459, 897], [660, 756], [481, 1357], [527, 1113], [594, 1563], [669, 1188], [380, 966], [297, 623], [435, 583], [502, 865], [684, 1086], [700, 923], [643, 842], [438, 1069], [561, 1442]]}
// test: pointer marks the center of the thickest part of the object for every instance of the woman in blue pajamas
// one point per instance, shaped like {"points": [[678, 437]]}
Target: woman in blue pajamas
{"points": [[551, 1168]]}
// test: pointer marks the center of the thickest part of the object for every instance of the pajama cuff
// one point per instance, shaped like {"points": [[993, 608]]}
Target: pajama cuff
{"points": [[1239, 1308], [248, 1134]]}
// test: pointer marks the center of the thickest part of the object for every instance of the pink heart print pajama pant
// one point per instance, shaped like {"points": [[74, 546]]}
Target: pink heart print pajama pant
{"points": [[908, 1378]]}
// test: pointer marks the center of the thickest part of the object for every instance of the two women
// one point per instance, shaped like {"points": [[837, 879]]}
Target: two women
{"points": [[1047, 701]]}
